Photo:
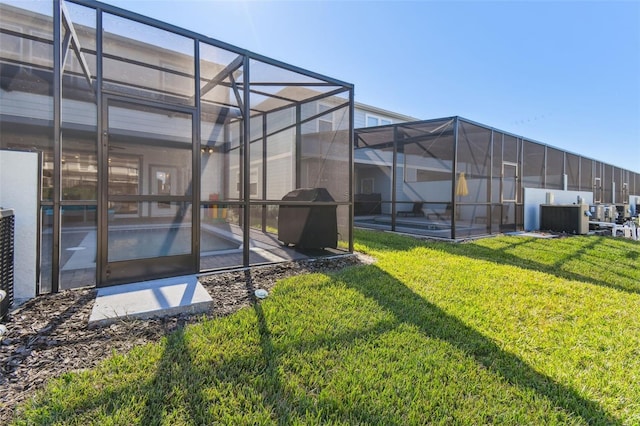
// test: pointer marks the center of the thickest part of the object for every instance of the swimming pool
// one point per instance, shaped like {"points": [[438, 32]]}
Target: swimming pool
{"points": [[136, 243], [386, 224]]}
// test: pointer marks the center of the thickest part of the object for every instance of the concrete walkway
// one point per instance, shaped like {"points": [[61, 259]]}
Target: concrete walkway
{"points": [[164, 297]]}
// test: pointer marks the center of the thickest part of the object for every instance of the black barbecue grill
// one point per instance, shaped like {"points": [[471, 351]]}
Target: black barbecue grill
{"points": [[308, 226]]}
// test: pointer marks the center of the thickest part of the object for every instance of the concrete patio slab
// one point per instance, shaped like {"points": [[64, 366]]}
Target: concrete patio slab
{"points": [[147, 299], [531, 234]]}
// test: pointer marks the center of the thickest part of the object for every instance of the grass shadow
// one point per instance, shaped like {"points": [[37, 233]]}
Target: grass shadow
{"points": [[176, 372], [174, 387], [286, 406], [564, 254], [410, 308], [619, 266], [180, 382]]}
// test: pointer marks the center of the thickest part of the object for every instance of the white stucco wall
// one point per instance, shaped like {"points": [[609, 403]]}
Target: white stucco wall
{"points": [[19, 191]]}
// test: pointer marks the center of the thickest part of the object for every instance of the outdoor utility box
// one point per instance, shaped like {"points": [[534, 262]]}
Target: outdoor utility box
{"points": [[597, 212], [308, 226], [7, 224], [610, 213], [624, 213], [569, 218]]}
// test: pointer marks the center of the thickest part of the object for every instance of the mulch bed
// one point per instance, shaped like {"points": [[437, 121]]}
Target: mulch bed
{"points": [[49, 335]]}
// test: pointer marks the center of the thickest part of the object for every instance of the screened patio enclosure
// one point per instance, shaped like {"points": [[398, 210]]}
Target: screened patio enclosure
{"points": [[164, 152], [453, 178]]}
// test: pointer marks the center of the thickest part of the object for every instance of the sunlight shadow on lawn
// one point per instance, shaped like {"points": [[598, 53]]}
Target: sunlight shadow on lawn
{"points": [[179, 384], [412, 309], [579, 252]]}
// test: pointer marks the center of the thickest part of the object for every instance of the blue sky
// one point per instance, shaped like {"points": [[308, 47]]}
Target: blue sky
{"points": [[563, 73]]}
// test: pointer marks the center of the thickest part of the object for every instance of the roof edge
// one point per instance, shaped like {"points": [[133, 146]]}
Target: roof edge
{"points": [[383, 111]]}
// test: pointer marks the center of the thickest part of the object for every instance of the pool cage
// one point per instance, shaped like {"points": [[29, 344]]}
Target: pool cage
{"points": [[164, 152], [453, 178]]}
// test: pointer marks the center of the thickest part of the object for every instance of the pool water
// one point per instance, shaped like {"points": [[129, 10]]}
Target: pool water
{"points": [[128, 244], [414, 225]]}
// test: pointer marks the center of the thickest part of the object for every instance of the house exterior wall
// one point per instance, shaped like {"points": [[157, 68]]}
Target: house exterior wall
{"points": [[19, 174], [362, 112]]}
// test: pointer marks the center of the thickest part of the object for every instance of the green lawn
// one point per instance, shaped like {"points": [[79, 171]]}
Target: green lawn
{"points": [[506, 330]]}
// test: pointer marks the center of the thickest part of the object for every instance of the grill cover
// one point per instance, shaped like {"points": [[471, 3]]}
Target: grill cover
{"points": [[308, 226]]}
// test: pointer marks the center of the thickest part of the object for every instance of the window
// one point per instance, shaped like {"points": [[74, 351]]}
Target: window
{"points": [[325, 123], [41, 49], [366, 186], [172, 80], [373, 120], [253, 182], [11, 44]]}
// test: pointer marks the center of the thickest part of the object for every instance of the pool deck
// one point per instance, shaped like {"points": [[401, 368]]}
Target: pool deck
{"points": [[78, 254], [147, 299]]}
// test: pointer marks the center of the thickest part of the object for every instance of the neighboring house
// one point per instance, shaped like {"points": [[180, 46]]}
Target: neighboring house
{"points": [[369, 116], [372, 173]]}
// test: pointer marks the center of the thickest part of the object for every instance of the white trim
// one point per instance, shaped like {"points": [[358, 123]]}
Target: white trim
{"points": [[502, 186], [597, 189]]}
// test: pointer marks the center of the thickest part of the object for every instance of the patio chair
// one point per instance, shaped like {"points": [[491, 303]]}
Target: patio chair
{"points": [[416, 211], [442, 215]]}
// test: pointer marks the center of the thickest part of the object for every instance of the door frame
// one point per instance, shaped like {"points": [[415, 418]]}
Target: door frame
{"points": [[597, 189], [502, 197], [508, 206], [125, 271]]}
